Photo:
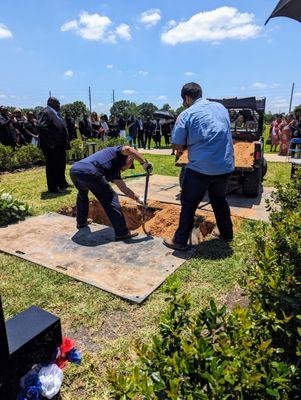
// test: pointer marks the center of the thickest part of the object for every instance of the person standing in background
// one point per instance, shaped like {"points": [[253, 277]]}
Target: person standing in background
{"points": [[158, 133], [105, 126], [113, 128], [31, 128], [23, 137], [149, 130], [8, 135], [166, 132], [140, 131], [122, 127], [275, 132], [53, 135], [132, 127], [85, 127], [96, 126], [71, 126], [286, 133]]}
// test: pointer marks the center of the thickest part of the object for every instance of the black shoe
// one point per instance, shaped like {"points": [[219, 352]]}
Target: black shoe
{"points": [[175, 246], [54, 191], [129, 235]]}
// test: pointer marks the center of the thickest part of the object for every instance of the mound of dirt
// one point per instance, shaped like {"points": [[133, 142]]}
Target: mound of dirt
{"points": [[161, 219], [244, 154]]}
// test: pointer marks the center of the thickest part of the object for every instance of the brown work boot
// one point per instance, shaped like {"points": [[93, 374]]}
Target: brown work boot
{"points": [[129, 235], [175, 246]]}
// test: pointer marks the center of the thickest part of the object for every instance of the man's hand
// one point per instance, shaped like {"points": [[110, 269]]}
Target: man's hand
{"points": [[139, 200], [148, 167]]}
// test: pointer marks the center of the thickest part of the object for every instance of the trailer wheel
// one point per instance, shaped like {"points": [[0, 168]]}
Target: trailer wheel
{"points": [[264, 168], [181, 177], [252, 183]]}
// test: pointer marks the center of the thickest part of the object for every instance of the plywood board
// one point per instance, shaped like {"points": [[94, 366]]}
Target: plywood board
{"points": [[132, 269]]}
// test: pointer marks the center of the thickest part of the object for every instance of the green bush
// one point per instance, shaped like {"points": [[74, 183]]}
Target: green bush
{"points": [[28, 156], [6, 158], [252, 353], [12, 210]]}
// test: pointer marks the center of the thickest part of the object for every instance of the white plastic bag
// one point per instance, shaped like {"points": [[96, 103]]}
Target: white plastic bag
{"points": [[51, 378]]}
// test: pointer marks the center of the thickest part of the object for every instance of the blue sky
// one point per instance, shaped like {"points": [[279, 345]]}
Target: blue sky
{"points": [[145, 50]]}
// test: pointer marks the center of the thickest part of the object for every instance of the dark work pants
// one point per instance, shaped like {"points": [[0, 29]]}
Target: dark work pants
{"points": [[167, 141], [141, 139], [194, 189], [86, 180], [55, 168], [148, 138]]}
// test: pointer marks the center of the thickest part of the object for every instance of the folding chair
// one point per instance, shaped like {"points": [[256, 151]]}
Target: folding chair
{"points": [[294, 155]]}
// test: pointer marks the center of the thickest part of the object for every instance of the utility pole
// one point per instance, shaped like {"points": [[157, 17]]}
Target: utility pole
{"points": [[90, 100], [50, 93], [113, 96], [292, 96]]}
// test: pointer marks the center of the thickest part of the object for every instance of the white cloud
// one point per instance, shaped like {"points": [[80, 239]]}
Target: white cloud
{"points": [[110, 66], [189, 73], [124, 32], [151, 17], [69, 73], [162, 97], [298, 94], [143, 73], [213, 26], [5, 33], [91, 27], [69, 26], [262, 85], [129, 91], [3, 96], [279, 104], [62, 96]]}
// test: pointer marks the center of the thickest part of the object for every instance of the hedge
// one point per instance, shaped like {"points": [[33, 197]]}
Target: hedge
{"points": [[252, 353], [29, 155]]}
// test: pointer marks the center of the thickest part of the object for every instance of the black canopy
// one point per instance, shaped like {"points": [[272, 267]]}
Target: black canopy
{"points": [[163, 114], [287, 8], [247, 102]]}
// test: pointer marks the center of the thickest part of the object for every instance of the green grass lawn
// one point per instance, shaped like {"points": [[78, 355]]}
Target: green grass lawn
{"points": [[105, 326]]}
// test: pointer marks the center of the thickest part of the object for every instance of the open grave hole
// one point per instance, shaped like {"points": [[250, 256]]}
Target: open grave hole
{"points": [[161, 218]]}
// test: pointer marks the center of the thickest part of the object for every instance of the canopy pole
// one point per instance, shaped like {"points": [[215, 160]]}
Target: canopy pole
{"points": [[292, 96]]}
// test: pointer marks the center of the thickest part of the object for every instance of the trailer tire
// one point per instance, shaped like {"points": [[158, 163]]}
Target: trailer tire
{"points": [[252, 183], [264, 168]]}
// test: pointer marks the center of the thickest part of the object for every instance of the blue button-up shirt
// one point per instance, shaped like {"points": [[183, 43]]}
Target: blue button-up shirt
{"points": [[205, 129]]}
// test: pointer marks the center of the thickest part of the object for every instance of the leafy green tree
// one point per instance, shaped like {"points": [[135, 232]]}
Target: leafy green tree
{"points": [[166, 107], [76, 109], [146, 110], [124, 108], [180, 109], [298, 108]]}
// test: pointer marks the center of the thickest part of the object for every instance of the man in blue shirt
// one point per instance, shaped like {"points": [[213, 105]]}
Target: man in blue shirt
{"points": [[204, 129], [94, 174]]}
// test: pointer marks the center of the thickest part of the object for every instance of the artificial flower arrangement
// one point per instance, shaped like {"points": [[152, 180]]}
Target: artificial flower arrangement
{"points": [[45, 381]]}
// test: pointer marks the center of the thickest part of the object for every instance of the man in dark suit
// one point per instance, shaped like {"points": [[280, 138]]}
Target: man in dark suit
{"points": [[53, 136], [149, 130], [8, 136], [140, 131]]}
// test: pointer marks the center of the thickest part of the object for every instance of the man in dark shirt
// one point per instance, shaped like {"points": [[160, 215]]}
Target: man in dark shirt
{"points": [[71, 127], [23, 137], [53, 137], [31, 128], [8, 135], [94, 174], [85, 127], [140, 131], [149, 130]]}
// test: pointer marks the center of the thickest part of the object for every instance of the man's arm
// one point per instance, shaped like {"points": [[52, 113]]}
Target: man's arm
{"points": [[180, 134], [127, 191], [130, 151]]}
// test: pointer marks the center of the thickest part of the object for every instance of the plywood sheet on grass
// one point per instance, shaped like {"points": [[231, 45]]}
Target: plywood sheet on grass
{"points": [[131, 269]]}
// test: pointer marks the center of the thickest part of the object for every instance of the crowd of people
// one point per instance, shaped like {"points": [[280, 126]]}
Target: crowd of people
{"points": [[17, 128], [283, 130]]}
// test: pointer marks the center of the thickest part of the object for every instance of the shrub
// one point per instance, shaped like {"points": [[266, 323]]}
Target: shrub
{"points": [[28, 156], [252, 353], [6, 155], [12, 210]]}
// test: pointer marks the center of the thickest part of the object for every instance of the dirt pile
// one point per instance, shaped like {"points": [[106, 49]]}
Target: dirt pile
{"points": [[244, 154], [161, 219]]}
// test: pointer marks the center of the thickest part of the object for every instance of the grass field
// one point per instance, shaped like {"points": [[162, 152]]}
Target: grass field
{"points": [[104, 326]]}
